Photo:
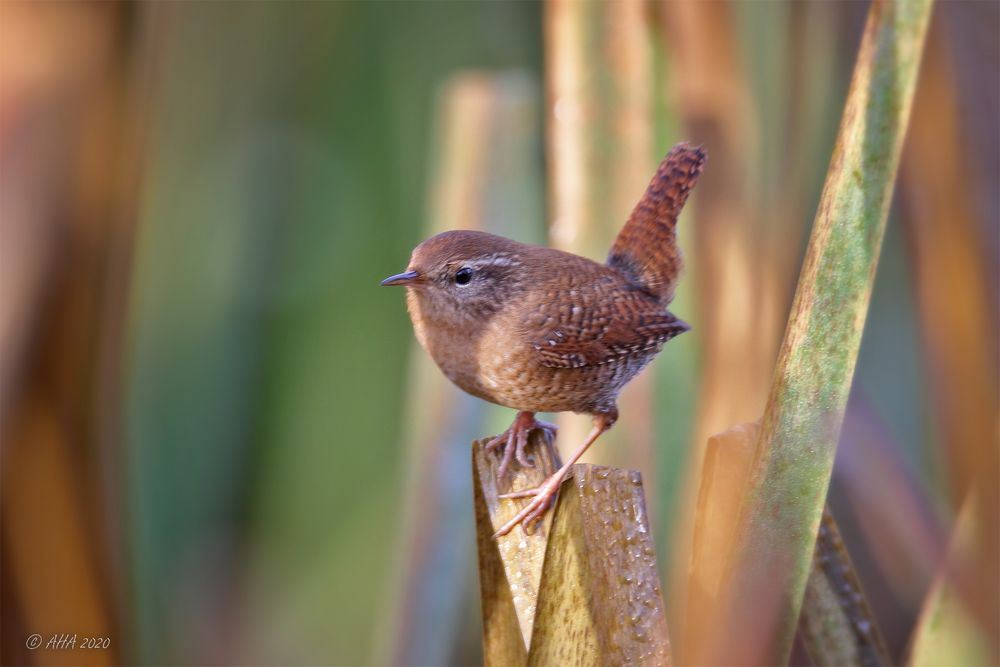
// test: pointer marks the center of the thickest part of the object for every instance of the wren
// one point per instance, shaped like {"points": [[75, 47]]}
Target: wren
{"points": [[540, 330]]}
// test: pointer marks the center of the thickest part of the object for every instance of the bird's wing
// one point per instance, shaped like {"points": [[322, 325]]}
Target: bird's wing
{"points": [[646, 249], [591, 334]]}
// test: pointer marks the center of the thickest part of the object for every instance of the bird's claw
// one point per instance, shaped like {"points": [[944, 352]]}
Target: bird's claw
{"points": [[529, 515], [515, 439]]}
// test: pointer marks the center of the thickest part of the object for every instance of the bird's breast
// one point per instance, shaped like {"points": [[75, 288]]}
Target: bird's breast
{"points": [[452, 345]]}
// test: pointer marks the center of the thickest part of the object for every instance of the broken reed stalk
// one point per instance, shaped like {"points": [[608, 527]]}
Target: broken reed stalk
{"points": [[772, 554], [836, 624], [583, 587]]}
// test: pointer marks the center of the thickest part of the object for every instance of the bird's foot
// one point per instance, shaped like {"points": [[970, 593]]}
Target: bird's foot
{"points": [[514, 440], [543, 495], [541, 499]]}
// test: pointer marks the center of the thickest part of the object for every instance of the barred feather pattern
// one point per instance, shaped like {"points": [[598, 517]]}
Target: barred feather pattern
{"points": [[646, 249]]}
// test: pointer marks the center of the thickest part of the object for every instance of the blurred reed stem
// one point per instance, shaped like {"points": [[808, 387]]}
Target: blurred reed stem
{"points": [[483, 128], [601, 156], [836, 624], [954, 307], [770, 561], [947, 632], [62, 107], [715, 107], [723, 481], [629, 165], [570, 120]]}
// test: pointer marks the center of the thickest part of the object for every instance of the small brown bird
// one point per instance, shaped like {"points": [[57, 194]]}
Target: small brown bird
{"points": [[541, 330]]}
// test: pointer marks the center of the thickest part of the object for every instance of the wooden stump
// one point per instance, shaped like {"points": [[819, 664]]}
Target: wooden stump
{"points": [[583, 588]]}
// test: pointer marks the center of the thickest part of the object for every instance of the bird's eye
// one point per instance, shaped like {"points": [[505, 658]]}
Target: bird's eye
{"points": [[463, 276]]}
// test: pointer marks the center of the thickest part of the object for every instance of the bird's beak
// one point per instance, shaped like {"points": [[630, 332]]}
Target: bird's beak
{"points": [[401, 278]]}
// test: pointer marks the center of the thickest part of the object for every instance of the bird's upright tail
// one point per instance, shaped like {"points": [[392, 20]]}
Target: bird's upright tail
{"points": [[646, 248]]}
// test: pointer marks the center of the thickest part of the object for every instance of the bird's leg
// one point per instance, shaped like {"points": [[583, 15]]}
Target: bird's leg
{"points": [[515, 439], [544, 493]]}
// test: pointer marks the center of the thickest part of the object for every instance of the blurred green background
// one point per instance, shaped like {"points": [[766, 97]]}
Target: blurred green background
{"points": [[266, 374], [220, 442]]}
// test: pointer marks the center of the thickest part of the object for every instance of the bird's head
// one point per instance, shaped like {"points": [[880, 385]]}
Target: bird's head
{"points": [[461, 275]]}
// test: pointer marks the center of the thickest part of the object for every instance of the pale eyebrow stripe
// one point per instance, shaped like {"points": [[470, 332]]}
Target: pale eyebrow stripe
{"points": [[496, 260]]}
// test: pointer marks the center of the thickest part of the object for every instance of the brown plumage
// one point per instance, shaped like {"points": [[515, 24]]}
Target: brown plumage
{"points": [[541, 330], [646, 248]]}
